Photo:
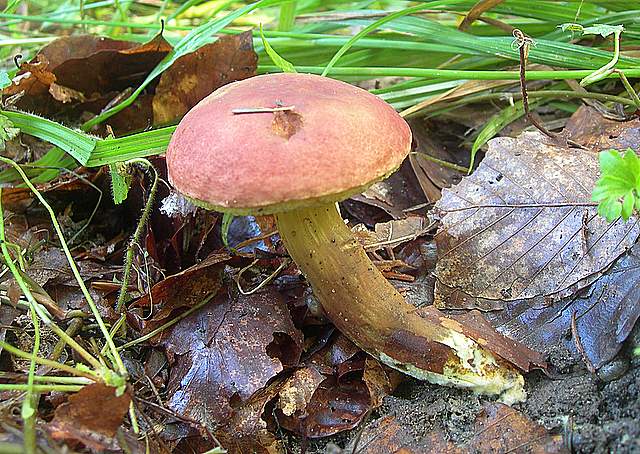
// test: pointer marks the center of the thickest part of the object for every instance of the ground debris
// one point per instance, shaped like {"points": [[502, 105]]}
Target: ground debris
{"points": [[498, 429]]}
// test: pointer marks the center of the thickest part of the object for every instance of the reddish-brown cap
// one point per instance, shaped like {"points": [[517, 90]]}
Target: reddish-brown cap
{"points": [[335, 140]]}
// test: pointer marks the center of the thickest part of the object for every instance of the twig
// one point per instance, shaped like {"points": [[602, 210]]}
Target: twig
{"points": [[524, 42], [269, 278]]}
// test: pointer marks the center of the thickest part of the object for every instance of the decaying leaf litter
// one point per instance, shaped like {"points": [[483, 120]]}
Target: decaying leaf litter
{"points": [[216, 366]]}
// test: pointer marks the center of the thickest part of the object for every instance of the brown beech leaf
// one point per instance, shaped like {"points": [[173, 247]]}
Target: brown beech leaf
{"points": [[195, 75], [518, 227], [80, 68], [605, 315], [387, 435], [247, 431], [500, 428], [91, 416], [226, 351], [182, 290]]}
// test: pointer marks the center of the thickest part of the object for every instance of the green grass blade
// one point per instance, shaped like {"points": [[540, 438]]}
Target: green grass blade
{"points": [[77, 144]]}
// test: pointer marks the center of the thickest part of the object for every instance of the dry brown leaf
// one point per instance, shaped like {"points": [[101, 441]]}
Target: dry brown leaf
{"points": [[392, 233], [182, 290], [195, 75], [336, 389], [523, 227], [498, 429], [397, 195], [590, 129], [78, 68], [605, 315], [226, 351], [91, 416]]}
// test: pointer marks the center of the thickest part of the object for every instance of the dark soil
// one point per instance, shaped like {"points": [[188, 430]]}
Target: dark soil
{"points": [[596, 416]]}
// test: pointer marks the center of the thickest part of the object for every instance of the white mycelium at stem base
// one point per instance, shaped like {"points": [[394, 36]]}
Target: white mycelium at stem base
{"points": [[332, 140]]}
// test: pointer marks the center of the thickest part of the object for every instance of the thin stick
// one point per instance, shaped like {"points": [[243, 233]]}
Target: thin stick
{"points": [[524, 42]]}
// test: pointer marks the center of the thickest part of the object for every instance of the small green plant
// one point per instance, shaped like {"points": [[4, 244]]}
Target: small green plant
{"points": [[618, 189]]}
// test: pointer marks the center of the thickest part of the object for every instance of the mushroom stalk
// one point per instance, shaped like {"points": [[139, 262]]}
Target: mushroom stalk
{"points": [[364, 306]]}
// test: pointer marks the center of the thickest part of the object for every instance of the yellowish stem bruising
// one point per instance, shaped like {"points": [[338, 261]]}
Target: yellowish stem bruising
{"points": [[364, 306]]}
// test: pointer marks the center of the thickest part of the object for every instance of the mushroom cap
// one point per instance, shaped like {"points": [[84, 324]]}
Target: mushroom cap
{"points": [[334, 142]]}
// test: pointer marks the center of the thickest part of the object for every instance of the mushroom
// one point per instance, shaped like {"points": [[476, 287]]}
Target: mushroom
{"points": [[293, 145]]}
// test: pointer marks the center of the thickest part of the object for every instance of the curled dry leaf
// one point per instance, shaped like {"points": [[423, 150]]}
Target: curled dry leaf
{"points": [[393, 233], [247, 431], [84, 68], [521, 227], [91, 416], [195, 75], [395, 195], [436, 142], [590, 129], [334, 391], [182, 290], [226, 351]]}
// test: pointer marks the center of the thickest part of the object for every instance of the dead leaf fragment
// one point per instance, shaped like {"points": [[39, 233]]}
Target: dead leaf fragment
{"points": [[335, 390], [286, 123], [500, 428], [522, 227], [590, 129], [182, 290], [76, 68], [194, 76], [91, 416]]}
